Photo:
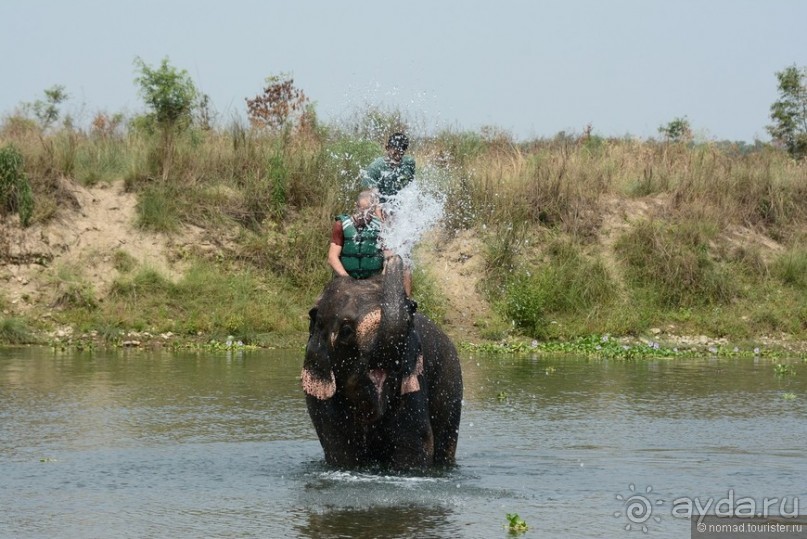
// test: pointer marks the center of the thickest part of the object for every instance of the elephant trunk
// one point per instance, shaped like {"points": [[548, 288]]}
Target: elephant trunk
{"points": [[395, 316]]}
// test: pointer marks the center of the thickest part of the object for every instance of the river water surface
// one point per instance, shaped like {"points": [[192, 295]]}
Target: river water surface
{"points": [[219, 444]]}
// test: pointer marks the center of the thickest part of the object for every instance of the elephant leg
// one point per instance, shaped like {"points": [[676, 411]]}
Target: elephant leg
{"points": [[411, 439], [447, 430], [341, 437]]}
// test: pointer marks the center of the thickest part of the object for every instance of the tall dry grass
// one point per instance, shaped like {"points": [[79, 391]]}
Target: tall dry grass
{"points": [[273, 195]]}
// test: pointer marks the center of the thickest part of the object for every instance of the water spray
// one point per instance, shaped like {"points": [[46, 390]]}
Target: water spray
{"points": [[410, 213]]}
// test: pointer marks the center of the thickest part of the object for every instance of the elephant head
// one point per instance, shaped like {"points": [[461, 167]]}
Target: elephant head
{"points": [[361, 345]]}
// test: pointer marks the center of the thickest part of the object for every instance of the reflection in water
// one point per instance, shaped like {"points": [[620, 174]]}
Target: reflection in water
{"points": [[339, 503], [376, 521], [137, 444]]}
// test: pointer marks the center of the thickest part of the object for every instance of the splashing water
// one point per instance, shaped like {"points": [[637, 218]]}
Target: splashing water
{"points": [[411, 213]]}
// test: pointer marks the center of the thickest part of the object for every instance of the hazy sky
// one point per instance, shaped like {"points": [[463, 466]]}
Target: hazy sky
{"points": [[530, 67]]}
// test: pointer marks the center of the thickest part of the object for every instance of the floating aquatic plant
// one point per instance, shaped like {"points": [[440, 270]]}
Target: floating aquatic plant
{"points": [[515, 524], [784, 370]]}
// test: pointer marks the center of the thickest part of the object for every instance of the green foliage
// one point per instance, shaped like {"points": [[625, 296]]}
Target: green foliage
{"points": [[295, 250], [123, 261], [15, 331], [47, 110], [377, 123], [171, 96], [673, 264], [459, 148], [789, 112], [15, 189], [169, 93], [678, 130], [791, 269], [426, 292], [346, 156], [158, 208], [267, 200], [105, 155], [212, 299], [146, 283], [607, 347], [515, 524], [781, 369], [503, 245], [277, 179], [73, 291], [567, 282]]}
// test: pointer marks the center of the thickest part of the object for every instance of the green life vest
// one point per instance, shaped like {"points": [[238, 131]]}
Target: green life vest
{"points": [[361, 254]]}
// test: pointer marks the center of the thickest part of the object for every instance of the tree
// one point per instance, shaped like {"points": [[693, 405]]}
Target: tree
{"points": [[171, 95], [789, 112], [47, 110], [280, 103], [677, 130]]}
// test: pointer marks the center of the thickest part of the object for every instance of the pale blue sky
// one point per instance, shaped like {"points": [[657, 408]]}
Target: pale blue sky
{"points": [[530, 67]]}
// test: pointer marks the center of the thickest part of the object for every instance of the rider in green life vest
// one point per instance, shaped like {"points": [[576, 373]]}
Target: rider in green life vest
{"points": [[361, 255], [392, 172], [355, 245]]}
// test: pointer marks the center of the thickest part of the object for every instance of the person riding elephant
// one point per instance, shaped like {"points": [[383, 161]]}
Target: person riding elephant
{"points": [[391, 172], [355, 248], [383, 384]]}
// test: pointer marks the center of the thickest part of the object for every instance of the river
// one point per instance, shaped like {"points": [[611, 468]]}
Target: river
{"points": [[130, 443]]}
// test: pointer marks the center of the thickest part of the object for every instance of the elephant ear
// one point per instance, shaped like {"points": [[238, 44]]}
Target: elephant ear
{"points": [[317, 387], [317, 376], [312, 319]]}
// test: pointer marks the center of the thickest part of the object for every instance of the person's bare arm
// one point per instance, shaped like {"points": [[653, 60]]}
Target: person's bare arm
{"points": [[333, 259]]}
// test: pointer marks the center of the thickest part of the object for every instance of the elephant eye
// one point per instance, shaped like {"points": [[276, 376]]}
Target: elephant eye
{"points": [[346, 331]]}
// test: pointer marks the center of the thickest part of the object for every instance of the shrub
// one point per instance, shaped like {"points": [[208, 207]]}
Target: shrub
{"points": [[566, 283], [791, 268], [15, 190], [73, 291], [123, 261], [673, 264], [15, 331], [158, 209], [280, 104], [171, 95], [678, 130]]}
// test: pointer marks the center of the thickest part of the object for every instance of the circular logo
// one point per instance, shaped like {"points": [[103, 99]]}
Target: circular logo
{"points": [[638, 508]]}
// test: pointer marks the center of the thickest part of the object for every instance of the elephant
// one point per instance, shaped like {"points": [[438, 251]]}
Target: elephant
{"points": [[383, 384]]}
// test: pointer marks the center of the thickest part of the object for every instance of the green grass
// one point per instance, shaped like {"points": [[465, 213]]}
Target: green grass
{"points": [[566, 283], [215, 300], [427, 293], [15, 330], [791, 269], [672, 264]]}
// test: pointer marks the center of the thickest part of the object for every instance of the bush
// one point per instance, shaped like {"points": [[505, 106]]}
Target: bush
{"points": [[15, 190], [672, 263], [15, 331], [158, 209], [791, 268], [567, 283]]}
